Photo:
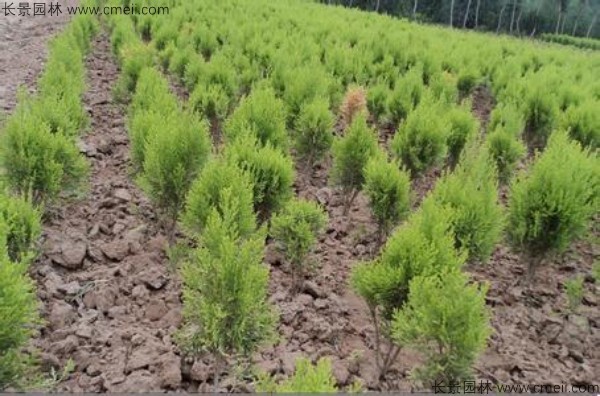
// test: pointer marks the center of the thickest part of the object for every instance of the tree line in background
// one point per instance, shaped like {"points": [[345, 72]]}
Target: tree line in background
{"points": [[519, 17]]}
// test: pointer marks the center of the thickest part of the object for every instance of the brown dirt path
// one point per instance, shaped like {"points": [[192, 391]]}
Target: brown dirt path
{"points": [[23, 48], [108, 299]]}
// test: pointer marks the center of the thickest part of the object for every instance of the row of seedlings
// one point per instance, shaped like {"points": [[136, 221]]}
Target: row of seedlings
{"points": [[40, 160]]}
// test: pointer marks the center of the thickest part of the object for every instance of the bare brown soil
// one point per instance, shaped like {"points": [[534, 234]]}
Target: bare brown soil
{"points": [[113, 305]]}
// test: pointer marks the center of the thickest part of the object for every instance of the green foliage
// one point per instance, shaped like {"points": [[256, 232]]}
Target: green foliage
{"points": [[583, 123], [471, 193], [180, 60], [38, 156], [225, 288], [447, 321], [18, 317], [313, 131], [377, 96], [301, 85], [574, 290], [565, 39], [153, 108], [23, 227], [541, 114], [217, 179], [262, 113], [350, 156], [152, 93], [135, 58], [463, 126], [405, 96], [443, 87], [420, 143], [172, 160], [508, 117], [271, 171], [210, 100], [506, 150], [38, 162], [296, 229], [424, 245], [551, 203], [388, 189], [467, 80], [307, 378]]}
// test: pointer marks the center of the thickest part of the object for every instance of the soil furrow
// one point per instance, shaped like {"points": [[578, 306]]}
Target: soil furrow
{"points": [[109, 301]]}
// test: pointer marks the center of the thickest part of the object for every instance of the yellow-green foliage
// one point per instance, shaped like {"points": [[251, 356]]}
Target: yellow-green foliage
{"points": [[420, 143], [23, 227], [38, 154], [551, 203], [270, 170], [307, 378], [313, 130], [263, 114], [583, 123], [217, 179], [350, 156], [471, 193], [296, 229], [225, 288], [445, 319], [388, 189], [18, 316]]}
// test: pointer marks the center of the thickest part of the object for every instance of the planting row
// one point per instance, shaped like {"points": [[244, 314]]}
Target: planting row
{"points": [[40, 160]]}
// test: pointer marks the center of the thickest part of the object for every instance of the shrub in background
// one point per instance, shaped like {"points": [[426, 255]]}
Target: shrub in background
{"points": [[388, 190], [405, 96], [583, 123], [262, 113], [152, 93], [210, 101], [135, 57], [471, 193], [350, 155], [302, 84], [463, 126], [377, 96], [172, 160], [313, 130], [446, 320], [551, 203], [296, 228], [541, 114], [467, 80], [506, 150], [217, 178], [420, 143], [271, 172], [508, 117]]}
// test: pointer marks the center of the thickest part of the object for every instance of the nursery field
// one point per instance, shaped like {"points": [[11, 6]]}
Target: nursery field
{"points": [[283, 196]]}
